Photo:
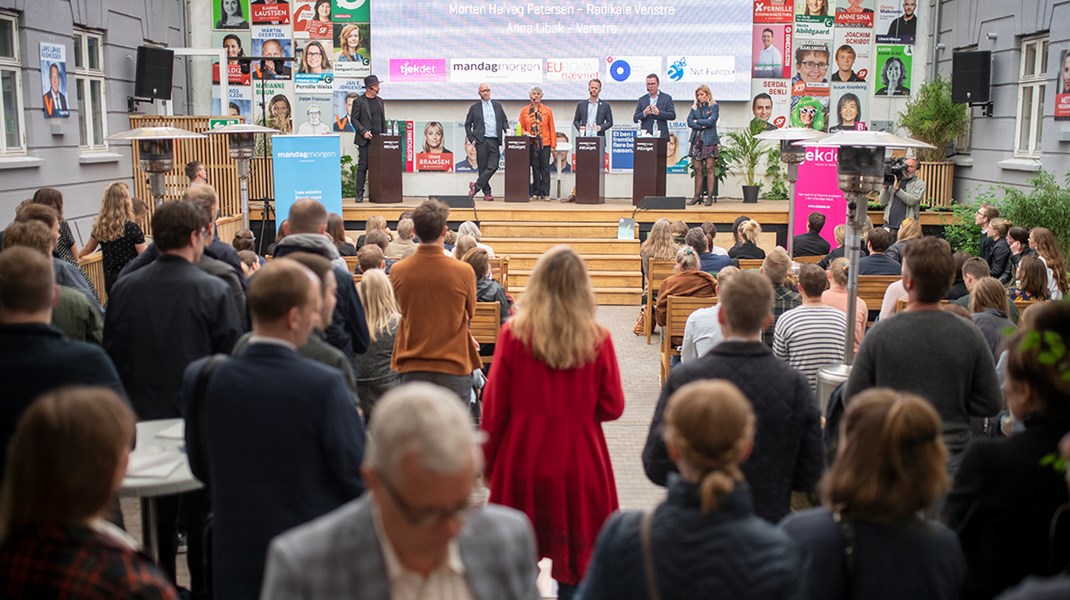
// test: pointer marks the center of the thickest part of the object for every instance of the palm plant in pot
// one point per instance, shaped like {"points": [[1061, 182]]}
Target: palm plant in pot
{"points": [[745, 153], [932, 117]]}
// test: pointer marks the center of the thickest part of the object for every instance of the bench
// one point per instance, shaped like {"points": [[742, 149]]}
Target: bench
{"points": [[871, 289], [678, 310], [657, 270], [746, 264], [499, 270], [485, 325]]}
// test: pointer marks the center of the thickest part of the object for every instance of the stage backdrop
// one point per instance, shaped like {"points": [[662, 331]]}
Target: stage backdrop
{"points": [[306, 166], [818, 190]]}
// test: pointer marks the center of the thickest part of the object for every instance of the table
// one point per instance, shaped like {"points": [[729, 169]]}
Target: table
{"points": [[149, 444]]}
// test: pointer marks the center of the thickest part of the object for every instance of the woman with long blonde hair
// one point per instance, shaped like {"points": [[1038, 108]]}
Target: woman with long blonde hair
{"points": [[374, 223], [658, 245], [116, 232], [553, 382], [749, 231], [375, 377]]}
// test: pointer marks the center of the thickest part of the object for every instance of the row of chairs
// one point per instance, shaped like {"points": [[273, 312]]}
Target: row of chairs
{"points": [[499, 269]]}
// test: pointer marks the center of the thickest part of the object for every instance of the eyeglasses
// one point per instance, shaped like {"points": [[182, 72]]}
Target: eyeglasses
{"points": [[809, 64], [429, 518], [808, 111], [307, 53]]}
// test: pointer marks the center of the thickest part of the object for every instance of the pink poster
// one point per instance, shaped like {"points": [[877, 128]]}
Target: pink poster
{"points": [[818, 190]]}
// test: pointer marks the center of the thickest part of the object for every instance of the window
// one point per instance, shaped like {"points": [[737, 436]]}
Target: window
{"points": [[89, 89], [1031, 84], [11, 127]]}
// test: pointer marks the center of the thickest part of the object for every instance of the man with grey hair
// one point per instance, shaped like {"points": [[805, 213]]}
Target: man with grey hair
{"points": [[416, 533]]}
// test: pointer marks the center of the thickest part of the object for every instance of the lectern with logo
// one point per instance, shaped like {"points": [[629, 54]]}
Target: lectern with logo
{"points": [[384, 169], [589, 169], [648, 171], [517, 168]]}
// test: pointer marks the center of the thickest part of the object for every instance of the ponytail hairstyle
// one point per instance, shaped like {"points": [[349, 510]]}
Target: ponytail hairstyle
{"points": [[1000, 226], [838, 269], [710, 427], [687, 259]]}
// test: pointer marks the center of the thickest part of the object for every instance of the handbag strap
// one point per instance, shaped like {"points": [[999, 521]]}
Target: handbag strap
{"points": [[850, 538], [200, 389], [648, 556]]}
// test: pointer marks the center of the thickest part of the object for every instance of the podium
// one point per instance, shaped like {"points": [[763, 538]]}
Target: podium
{"points": [[589, 169], [384, 169], [517, 168], [648, 170]]}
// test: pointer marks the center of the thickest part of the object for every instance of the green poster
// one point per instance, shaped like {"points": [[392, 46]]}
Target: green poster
{"points": [[230, 14], [351, 11], [892, 68]]}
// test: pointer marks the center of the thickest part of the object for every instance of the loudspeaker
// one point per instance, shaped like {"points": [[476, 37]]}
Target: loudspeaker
{"points": [[663, 203], [971, 77], [455, 201], [152, 78]]}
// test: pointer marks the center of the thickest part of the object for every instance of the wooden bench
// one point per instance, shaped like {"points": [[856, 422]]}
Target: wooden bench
{"points": [[485, 325], [676, 314], [809, 260], [657, 270], [746, 264], [357, 277], [93, 265], [499, 270], [871, 289], [351, 263]]}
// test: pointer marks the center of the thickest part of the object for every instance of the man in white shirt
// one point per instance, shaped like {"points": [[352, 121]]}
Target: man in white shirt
{"points": [[770, 63], [703, 330]]}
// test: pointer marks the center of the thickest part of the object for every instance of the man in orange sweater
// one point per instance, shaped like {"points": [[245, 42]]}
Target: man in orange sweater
{"points": [[537, 121], [437, 296]]}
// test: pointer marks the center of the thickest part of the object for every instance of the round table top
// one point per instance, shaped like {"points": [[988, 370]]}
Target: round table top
{"points": [[151, 445]]}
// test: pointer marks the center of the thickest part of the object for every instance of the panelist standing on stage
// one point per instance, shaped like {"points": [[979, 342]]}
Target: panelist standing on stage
{"points": [[537, 122], [369, 119], [593, 116], [485, 127], [654, 109]]}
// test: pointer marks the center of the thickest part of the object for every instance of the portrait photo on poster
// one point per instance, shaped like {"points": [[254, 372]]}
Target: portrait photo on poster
{"points": [[1062, 89], [893, 70], [54, 81]]}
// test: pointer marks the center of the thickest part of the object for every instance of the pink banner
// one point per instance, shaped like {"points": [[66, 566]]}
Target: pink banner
{"points": [[818, 190]]}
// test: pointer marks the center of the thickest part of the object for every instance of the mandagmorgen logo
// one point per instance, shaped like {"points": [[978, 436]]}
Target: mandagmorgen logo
{"points": [[418, 69]]}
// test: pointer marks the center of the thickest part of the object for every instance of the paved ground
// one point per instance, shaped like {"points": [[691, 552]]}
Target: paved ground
{"points": [[626, 436]]}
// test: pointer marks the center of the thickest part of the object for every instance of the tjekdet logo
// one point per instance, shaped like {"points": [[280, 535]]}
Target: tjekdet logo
{"points": [[619, 70], [676, 71]]}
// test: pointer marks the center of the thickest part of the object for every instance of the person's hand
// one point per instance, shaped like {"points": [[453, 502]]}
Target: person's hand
{"points": [[367, 135], [597, 128], [646, 111], [896, 186], [654, 111], [583, 129]]}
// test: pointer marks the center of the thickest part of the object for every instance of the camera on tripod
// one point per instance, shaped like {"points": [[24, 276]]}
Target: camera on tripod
{"points": [[894, 168]]}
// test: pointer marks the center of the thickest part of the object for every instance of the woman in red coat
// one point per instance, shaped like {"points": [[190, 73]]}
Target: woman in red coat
{"points": [[553, 381]]}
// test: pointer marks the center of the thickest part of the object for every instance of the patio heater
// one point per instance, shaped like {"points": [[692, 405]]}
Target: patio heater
{"points": [[156, 153], [241, 139]]}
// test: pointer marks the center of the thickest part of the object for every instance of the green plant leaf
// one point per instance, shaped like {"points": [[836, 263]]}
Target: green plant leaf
{"points": [[931, 116]]}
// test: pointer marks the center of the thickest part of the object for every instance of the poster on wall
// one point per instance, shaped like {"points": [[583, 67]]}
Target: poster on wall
{"points": [[853, 56], [274, 42], [270, 12], [848, 107], [429, 146], [771, 102], [811, 68], [235, 43], [316, 70], [278, 98], [621, 149], [854, 13], [230, 14], [239, 102], [1062, 88], [352, 11], [312, 19], [345, 92], [774, 11], [54, 81], [810, 112], [771, 43], [351, 55], [311, 114], [818, 191], [306, 167], [676, 158], [893, 70], [897, 21], [813, 19]]}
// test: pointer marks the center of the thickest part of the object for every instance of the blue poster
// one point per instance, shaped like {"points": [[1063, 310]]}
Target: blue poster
{"points": [[306, 166], [620, 149]]}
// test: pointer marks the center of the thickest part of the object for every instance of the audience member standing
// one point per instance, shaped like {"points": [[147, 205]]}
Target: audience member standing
{"points": [[275, 435], [66, 247], [437, 297], [553, 382], [775, 267], [985, 213], [787, 448], [1047, 247], [67, 458], [930, 352], [1000, 263], [115, 230], [813, 334], [65, 273], [381, 309]]}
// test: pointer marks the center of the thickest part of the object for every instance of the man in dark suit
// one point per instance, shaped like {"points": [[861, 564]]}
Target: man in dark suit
{"points": [[485, 126], [369, 120], [879, 263], [811, 243], [54, 101], [654, 109], [593, 116], [273, 430]]}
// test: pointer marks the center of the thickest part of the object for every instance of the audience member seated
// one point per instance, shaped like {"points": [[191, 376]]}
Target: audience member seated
{"points": [[244, 239], [958, 287], [66, 247], [336, 230], [711, 234], [709, 262], [736, 238], [381, 308], [115, 231], [888, 472], [929, 352], [748, 246], [465, 243], [1018, 242], [658, 245], [687, 280], [374, 223], [909, 230], [840, 233], [890, 303], [403, 242], [678, 228], [66, 461], [488, 290], [988, 309], [1031, 282], [449, 241], [788, 454], [284, 226], [370, 257], [1048, 250], [811, 243], [416, 530], [470, 228], [879, 263], [813, 334], [836, 296], [973, 270], [703, 328], [250, 262], [1008, 499], [776, 268], [65, 273], [704, 540], [378, 237], [1000, 263]]}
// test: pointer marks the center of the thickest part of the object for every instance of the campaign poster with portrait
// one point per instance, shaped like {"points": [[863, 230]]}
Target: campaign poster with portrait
{"points": [[853, 56], [1062, 88], [429, 145], [897, 21], [854, 13], [892, 70], [811, 112], [345, 92], [464, 160], [676, 152], [275, 41], [813, 19], [236, 43], [312, 19], [812, 71], [315, 73], [849, 107], [352, 57], [774, 11], [54, 81], [770, 45], [351, 11], [239, 102], [313, 114], [276, 99], [771, 101], [230, 14], [566, 158], [270, 12]]}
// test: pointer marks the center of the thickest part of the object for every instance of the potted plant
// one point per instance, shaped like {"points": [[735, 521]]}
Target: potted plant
{"points": [[745, 153], [930, 116]]}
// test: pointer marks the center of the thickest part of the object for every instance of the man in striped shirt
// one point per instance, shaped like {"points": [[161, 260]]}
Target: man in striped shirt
{"points": [[812, 335]]}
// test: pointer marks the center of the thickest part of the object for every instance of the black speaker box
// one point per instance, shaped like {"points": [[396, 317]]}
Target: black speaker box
{"points": [[455, 201], [663, 202], [152, 78], [971, 77]]}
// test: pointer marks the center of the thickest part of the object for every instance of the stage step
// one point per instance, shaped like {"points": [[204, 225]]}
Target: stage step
{"points": [[595, 262], [551, 229], [614, 296], [599, 279], [528, 245]]}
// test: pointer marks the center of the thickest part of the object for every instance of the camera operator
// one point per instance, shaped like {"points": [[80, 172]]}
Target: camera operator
{"points": [[901, 196]]}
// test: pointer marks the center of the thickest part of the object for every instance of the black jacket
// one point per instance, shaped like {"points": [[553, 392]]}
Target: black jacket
{"points": [[999, 265], [879, 264], [746, 250], [809, 244], [218, 250], [475, 127], [361, 118]]}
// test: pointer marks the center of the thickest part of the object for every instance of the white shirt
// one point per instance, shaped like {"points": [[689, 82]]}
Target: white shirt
{"points": [[701, 333], [445, 582], [719, 251], [592, 116], [769, 62]]}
